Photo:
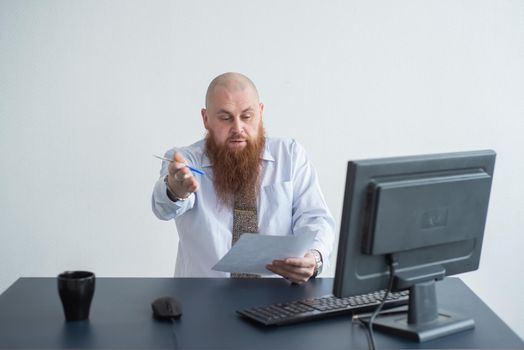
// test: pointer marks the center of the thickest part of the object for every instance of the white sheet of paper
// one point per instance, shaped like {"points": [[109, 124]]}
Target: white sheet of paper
{"points": [[252, 252]]}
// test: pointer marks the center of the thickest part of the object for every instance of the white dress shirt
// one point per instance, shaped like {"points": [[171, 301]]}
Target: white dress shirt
{"points": [[290, 203]]}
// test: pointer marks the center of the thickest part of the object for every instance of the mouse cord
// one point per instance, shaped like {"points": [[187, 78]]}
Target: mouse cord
{"points": [[173, 331]]}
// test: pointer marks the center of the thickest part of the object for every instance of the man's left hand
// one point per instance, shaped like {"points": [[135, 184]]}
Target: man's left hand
{"points": [[297, 270]]}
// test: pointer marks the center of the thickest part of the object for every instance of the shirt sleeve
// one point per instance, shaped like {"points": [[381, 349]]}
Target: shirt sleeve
{"points": [[310, 211], [163, 207]]}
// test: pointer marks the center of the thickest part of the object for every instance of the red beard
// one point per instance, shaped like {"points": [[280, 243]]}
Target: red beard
{"points": [[234, 170]]}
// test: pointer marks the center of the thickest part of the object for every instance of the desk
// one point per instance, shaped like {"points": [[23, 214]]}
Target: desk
{"points": [[31, 317]]}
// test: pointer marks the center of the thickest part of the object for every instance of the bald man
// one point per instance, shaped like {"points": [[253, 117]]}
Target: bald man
{"points": [[252, 183]]}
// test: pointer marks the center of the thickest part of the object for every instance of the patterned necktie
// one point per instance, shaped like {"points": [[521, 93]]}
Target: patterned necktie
{"points": [[245, 219]]}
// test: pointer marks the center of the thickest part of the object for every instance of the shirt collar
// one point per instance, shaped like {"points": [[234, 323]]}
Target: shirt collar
{"points": [[206, 162]]}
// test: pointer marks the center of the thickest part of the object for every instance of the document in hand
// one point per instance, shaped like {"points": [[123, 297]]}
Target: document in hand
{"points": [[252, 252]]}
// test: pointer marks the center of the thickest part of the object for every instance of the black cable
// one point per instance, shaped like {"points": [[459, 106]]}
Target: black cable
{"points": [[371, 339], [368, 338], [175, 339]]}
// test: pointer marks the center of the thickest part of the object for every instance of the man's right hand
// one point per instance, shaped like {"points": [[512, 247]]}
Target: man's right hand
{"points": [[180, 181]]}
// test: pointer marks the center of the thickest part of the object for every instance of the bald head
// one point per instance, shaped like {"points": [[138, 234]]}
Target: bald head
{"points": [[233, 112], [232, 82]]}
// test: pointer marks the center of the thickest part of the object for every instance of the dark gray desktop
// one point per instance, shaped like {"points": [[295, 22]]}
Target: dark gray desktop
{"points": [[408, 222]]}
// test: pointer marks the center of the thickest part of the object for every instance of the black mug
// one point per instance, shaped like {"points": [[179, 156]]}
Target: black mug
{"points": [[76, 289]]}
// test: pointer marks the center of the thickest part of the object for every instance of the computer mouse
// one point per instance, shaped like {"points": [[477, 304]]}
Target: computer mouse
{"points": [[166, 307]]}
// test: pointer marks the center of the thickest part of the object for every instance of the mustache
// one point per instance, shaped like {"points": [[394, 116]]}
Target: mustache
{"points": [[238, 138]]}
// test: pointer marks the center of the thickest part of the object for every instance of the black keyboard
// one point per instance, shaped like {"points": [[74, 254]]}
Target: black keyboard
{"points": [[326, 306]]}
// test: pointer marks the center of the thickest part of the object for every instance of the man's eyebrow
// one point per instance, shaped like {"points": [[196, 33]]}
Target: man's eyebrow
{"points": [[223, 111]]}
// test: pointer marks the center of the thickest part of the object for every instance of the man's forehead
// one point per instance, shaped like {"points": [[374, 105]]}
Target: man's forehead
{"points": [[242, 99]]}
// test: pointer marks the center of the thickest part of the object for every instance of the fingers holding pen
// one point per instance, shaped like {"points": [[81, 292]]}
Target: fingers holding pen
{"points": [[180, 180], [182, 174], [187, 179], [178, 157], [177, 163]]}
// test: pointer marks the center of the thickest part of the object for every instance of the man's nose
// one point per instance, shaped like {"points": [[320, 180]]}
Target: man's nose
{"points": [[238, 126]]}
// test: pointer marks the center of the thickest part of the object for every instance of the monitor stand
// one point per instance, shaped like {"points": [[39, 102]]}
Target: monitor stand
{"points": [[423, 321]]}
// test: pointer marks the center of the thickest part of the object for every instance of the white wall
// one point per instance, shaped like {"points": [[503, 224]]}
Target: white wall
{"points": [[89, 90]]}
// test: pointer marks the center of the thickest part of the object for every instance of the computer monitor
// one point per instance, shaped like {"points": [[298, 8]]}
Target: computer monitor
{"points": [[424, 216]]}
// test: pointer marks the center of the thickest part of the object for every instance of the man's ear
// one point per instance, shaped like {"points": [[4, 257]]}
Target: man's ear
{"points": [[261, 106], [203, 111]]}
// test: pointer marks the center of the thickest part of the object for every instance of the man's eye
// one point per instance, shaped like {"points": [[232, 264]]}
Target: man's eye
{"points": [[224, 117], [247, 116]]}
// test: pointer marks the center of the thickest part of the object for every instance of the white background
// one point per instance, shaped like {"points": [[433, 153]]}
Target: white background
{"points": [[89, 90]]}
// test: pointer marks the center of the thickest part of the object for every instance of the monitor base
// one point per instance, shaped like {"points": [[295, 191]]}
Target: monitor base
{"points": [[446, 323]]}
